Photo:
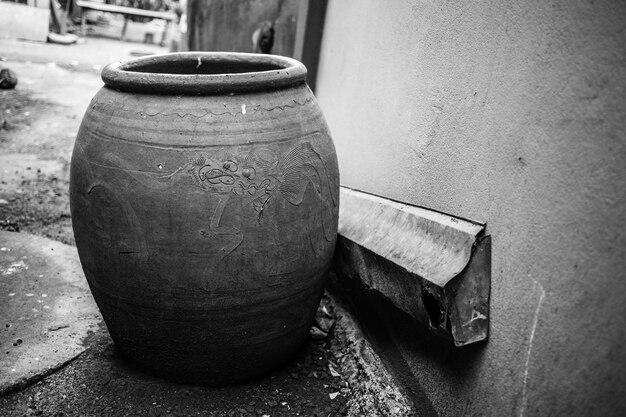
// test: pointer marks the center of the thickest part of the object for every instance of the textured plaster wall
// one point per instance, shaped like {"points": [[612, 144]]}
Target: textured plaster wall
{"points": [[514, 114]]}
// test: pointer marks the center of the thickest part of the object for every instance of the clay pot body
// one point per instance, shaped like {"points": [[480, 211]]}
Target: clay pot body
{"points": [[204, 198]]}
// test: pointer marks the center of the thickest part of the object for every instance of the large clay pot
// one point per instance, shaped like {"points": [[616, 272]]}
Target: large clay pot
{"points": [[204, 198]]}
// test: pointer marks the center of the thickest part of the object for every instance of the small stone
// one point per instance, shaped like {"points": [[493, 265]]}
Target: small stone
{"points": [[325, 323], [317, 334], [8, 79], [333, 372]]}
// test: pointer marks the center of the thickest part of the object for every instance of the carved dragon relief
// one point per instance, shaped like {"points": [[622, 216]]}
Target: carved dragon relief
{"points": [[258, 177]]}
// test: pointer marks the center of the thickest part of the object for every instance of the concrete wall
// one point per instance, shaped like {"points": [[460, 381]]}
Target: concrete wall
{"points": [[514, 114]]}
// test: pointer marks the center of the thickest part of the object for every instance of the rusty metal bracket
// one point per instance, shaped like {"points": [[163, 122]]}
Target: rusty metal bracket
{"points": [[433, 266]]}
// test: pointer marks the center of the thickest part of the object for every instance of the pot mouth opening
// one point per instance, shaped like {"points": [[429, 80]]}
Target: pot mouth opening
{"points": [[204, 73], [191, 67]]}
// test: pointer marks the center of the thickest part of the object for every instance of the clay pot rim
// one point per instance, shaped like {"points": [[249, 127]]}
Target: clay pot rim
{"points": [[127, 76]]}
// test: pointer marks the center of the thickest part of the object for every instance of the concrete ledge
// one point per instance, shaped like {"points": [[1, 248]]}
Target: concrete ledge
{"points": [[433, 266], [46, 308]]}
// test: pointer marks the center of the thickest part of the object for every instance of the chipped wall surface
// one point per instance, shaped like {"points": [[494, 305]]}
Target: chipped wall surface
{"points": [[511, 114]]}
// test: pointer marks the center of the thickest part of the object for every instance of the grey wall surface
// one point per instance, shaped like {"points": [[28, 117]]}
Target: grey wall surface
{"points": [[513, 114]]}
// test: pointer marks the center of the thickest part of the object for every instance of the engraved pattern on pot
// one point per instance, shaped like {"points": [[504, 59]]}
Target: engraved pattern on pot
{"points": [[255, 178], [259, 173]]}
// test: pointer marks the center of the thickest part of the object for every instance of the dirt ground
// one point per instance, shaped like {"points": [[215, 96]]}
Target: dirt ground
{"points": [[38, 124], [34, 184], [98, 383]]}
